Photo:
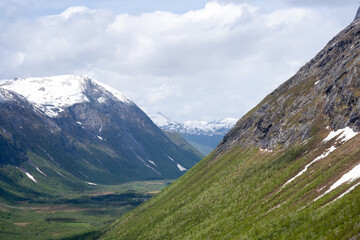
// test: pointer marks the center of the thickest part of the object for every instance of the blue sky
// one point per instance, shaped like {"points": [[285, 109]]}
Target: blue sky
{"points": [[190, 60]]}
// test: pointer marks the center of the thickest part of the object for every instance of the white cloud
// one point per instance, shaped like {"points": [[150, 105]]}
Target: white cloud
{"points": [[163, 92], [216, 61]]}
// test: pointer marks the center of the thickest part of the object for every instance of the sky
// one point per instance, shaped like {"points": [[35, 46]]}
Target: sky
{"points": [[190, 60]]}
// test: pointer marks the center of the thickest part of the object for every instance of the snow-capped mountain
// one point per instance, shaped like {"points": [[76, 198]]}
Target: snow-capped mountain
{"points": [[204, 136], [52, 95], [81, 131], [220, 127]]}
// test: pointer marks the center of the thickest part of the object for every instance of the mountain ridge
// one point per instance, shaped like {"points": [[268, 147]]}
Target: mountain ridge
{"points": [[217, 127], [204, 136], [289, 169], [320, 75], [94, 136]]}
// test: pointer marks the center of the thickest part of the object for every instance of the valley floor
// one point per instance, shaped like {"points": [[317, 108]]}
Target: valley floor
{"points": [[74, 216]]}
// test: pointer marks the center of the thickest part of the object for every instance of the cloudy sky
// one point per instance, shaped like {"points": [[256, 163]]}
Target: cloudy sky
{"points": [[190, 60]]}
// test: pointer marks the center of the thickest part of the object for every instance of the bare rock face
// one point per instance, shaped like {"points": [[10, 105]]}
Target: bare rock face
{"points": [[324, 92]]}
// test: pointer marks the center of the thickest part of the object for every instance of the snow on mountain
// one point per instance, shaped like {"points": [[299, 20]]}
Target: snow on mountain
{"points": [[52, 94], [5, 95], [219, 127], [161, 120]]}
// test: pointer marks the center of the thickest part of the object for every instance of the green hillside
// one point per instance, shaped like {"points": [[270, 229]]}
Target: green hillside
{"points": [[289, 169], [239, 196]]}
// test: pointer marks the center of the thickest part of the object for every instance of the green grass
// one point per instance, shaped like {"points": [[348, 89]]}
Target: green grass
{"points": [[73, 215], [239, 195]]}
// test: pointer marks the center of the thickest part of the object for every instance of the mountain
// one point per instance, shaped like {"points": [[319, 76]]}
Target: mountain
{"points": [[220, 127], [73, 132], [204, 136], [289, 169]]}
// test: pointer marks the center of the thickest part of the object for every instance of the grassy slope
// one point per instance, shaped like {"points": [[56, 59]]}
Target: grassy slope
{"points": [[73, 215], [239, 196]]}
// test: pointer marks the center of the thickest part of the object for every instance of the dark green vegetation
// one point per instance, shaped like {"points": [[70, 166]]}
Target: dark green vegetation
{"points": [[72, 215], [242, 189]]}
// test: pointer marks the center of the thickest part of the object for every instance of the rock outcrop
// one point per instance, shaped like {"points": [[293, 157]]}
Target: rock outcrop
{"points": [[323, 92]]}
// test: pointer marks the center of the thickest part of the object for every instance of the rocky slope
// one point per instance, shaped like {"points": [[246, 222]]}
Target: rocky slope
{"points": [[75, 132], [289, 169], [204, 136], [325, 90]]}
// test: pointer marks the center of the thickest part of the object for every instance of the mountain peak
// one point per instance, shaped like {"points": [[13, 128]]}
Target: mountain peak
{"points": [[219, 127], [52, 94], [161, 120], [357, 14]]}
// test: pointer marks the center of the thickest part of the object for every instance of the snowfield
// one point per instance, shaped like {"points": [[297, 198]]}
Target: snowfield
{"points": [[52, 95]]}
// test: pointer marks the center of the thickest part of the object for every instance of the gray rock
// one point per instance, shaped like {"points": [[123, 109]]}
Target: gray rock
{"points": [[324, 92]]}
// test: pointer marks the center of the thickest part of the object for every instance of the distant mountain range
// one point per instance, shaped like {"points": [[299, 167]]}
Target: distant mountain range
{"points": [[73, 132], [204, 136]]}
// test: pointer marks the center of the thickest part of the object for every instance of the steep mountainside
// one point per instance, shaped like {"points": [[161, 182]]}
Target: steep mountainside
{"points": [[289, 169], [183, 144], [204, 136], [74, 132]]}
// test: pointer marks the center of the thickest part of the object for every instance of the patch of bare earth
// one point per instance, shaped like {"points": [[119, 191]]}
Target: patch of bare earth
{"points": [[21, 224], [61, 208], [102, 194], [152, 192]]}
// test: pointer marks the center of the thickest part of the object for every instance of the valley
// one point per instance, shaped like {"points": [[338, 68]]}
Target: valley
{"points": [[81, 161], [73, 215], [76, 155], [204, 136]]}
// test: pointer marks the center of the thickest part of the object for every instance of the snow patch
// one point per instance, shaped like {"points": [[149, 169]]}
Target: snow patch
{"points": [[319, 190], [90, 183], [343, 135], [324, 155], [152, 162], [347, 191], [277, 206], [171, 158], [147, 165], [60, 174], [30, 176], [121, 97], [101, 100], [160, 120], [83, 174], [348, 177], [181, 168], [41, 172]]}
